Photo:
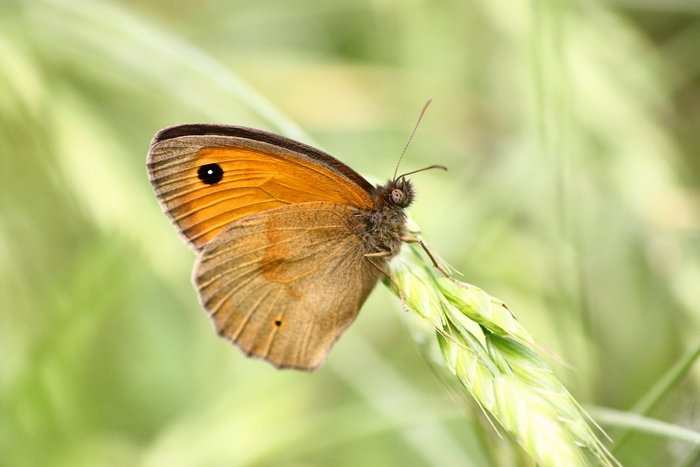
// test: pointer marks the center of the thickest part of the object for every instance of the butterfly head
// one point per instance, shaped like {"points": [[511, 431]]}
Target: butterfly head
{"points": [[399, 192]]}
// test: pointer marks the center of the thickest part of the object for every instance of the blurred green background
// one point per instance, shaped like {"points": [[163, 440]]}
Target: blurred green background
{"points": [[572, 133]]}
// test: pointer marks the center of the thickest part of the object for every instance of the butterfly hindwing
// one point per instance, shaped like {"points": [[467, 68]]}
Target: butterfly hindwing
{"points": [[284, 284]]}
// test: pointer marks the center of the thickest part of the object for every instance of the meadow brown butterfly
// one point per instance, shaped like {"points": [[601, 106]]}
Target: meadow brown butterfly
{"points": [[290, 240]]}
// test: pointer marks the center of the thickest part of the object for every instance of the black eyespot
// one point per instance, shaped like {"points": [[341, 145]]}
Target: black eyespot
{"points": [[211, 174], [278, 323]]}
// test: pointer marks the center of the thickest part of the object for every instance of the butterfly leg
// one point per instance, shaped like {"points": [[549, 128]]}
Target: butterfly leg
{"points": [[430, 255], [389, 276]]}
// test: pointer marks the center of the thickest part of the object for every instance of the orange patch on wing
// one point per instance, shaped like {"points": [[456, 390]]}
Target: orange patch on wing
{"points": [[253, 181]]}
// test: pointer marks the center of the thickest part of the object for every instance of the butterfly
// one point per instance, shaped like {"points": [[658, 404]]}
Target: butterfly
{"points": [[290, 241]]}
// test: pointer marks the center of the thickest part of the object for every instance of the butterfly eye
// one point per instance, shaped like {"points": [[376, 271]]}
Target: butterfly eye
{"points": [[397, 195], [211, 174]]}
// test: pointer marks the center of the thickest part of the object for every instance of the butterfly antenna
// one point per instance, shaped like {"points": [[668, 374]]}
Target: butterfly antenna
{"points": [[415, 127], [441, 167]]}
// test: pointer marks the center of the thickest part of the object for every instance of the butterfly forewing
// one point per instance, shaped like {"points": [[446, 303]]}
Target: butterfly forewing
{"points": [[284, 284], [204, 183]]}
